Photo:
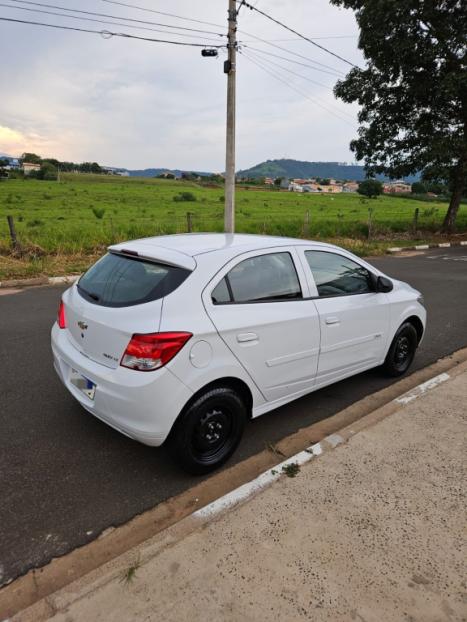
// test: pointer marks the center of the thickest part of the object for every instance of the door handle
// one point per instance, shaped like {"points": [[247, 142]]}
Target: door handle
{"points": [[246, 337], [332, 320]]}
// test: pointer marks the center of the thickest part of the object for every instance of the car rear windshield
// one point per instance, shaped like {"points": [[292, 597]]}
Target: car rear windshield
{"points": [[121, 281]]}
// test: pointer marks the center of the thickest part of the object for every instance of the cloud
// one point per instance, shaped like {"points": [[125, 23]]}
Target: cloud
{"points": [[129, 103], [16, 142]]}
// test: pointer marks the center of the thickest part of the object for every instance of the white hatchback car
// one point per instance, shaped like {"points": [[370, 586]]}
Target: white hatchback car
{"points": [[183, 338]]}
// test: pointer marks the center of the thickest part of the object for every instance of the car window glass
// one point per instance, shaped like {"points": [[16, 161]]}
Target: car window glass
{"points": [[120, 281], [336, 275], [264, 277], [221, 293]]}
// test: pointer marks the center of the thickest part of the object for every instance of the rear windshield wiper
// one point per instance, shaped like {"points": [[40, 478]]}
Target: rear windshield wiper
{"points": [[92, 295]]}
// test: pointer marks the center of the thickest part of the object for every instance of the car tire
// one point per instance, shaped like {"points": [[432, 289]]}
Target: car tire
{"points": [[402, 350], [207, 433]]}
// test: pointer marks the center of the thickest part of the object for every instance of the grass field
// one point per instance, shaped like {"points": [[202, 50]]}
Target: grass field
{"points": [[63, 226]]}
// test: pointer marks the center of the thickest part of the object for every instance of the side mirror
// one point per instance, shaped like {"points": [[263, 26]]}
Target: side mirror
{"points": [[384, 285]]}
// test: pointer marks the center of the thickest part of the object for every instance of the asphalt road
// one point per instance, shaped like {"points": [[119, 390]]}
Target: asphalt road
{"points": [[65, 476]]}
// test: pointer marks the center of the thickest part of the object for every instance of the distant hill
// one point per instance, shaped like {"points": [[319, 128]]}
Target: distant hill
{"points": [[155, 172], [298, 169]]}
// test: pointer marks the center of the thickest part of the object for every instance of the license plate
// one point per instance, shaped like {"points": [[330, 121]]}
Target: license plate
{"points": [[83, 384]]}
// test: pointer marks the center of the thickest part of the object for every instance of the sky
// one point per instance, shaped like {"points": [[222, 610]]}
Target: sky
{"points": [[137, 104]]}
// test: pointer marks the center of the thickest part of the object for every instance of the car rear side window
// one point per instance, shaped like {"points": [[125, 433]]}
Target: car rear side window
{"points": [[121, 281], [265, 278], [336, 275]]}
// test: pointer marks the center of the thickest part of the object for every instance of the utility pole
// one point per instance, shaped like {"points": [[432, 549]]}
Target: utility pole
{"points": [[230, 70]]}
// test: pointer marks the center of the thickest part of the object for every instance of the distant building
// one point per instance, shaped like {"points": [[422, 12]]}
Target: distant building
{"points": [[111, 170], [13, 163], [330, 188], [350, 186], [269, 181], [29, 166], [397, 187]]}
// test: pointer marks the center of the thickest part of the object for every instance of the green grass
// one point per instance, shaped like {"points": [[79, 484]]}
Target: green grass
{"points": [[69, 223]]}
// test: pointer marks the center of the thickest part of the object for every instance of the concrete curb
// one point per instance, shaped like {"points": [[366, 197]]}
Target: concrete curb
{"points": [[40, 280], [149, 532], [423, 247]]}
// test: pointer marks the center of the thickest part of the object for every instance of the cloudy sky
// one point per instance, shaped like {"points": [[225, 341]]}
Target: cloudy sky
{"points": [[137, 104]]}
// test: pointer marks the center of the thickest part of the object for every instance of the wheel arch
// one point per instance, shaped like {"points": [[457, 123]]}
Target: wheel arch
{"points": [[417, 324], [239, 386]]}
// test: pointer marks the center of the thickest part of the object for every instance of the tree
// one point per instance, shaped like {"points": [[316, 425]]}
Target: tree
{"points": [[48, 172], [370, 188], [31, 157], [413, 91], [278, 181], [418, 187], [3, 172]]}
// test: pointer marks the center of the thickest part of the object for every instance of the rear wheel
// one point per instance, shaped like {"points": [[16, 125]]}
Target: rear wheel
{"points": [[402, 350], [208, 432]]}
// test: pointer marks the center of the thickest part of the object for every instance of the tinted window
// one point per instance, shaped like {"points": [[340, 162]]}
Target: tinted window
{"points": [[119, 281], [221, 293], [336, 275], [262, 278]]}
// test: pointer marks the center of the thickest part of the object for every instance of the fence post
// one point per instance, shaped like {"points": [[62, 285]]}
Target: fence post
{"points": [[11, 226], [306, 226], [415, 219], [370, 222], [189, 222], [112, 229]]}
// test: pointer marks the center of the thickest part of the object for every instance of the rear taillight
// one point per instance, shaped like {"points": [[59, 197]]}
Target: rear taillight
{"points": [[61, 319], [149, 352]]}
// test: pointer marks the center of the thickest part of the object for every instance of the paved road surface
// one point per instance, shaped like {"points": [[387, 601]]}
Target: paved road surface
{"points": [[64, 476]]}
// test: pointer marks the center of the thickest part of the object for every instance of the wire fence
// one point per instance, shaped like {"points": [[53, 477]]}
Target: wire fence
{"points": [[74, 233]]}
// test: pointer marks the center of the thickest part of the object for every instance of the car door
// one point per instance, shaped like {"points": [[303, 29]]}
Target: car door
{"points": [[261, 308], [354, 319]]}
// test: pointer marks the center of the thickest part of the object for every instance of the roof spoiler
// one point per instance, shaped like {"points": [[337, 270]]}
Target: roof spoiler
{"points": [[153, 252]]}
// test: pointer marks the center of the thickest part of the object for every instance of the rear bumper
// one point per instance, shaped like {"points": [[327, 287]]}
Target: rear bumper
{"points": [[141, 405]]}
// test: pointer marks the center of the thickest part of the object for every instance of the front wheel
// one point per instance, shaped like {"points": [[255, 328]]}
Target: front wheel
{"points": [[208, 432], [402, 350]]}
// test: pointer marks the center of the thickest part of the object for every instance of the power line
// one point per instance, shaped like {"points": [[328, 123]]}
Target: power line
{"points": [[100, 21], [141, 8], [294, 88], [295, 62], [314, 38], [286, 70], [279, 23], [290, 71], [125, 19], [279, 47], [108, 33]]}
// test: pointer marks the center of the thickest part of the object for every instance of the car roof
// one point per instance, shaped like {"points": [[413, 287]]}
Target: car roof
{"points": [[193, 244]]}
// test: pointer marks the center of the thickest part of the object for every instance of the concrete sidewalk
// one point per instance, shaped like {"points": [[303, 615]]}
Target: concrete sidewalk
{"points": [[370, 531]]}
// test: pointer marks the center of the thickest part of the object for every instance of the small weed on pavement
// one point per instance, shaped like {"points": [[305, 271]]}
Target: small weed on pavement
{"points": [[291, 470], [129, 575]]}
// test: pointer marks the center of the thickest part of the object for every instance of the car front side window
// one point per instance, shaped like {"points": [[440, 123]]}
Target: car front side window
{"points": [[263, 278], [336, 275]]}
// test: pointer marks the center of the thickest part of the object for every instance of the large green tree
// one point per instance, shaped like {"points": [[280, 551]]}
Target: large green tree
{"points": [[413, 91], [33, 158]]}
